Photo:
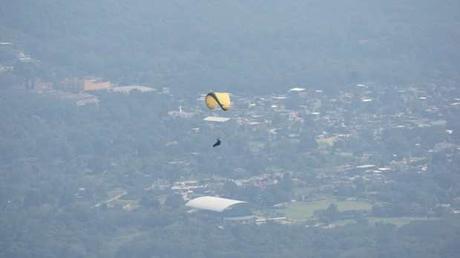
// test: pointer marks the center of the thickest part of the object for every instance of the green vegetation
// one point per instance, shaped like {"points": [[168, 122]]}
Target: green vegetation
{"points": [[197, 46], [96, 180], [59, 160], [306, 210], [400, 221], [326, 142]]}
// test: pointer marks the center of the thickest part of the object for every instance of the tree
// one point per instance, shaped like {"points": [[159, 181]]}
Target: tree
{"points": [[328, 215]]}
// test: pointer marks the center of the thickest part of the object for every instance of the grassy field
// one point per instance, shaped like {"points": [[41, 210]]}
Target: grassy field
{"points": [[304, 211], [300, 211], [400, 221]]}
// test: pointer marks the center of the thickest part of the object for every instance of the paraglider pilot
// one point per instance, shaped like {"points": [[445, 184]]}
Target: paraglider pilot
{"points": [[217, 143]]}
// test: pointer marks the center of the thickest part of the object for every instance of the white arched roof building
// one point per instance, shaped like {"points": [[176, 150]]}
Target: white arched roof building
{"points": [[212, 203]]}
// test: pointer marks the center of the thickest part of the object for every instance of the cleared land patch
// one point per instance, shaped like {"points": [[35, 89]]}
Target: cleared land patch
{"points": [[301, 211]]}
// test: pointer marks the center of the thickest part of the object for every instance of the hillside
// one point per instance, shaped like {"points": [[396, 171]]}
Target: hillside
{"points": [[250, 46], [342, 140]]}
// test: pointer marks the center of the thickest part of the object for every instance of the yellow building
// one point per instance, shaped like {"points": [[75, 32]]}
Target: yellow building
{"points": [[93, 85]]}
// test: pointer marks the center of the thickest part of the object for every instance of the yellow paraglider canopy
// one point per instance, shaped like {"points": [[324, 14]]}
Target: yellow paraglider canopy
{"points": [[221, 99]]}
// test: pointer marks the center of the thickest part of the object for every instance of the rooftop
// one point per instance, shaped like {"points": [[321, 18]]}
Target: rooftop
{"points": [[212, 203]]}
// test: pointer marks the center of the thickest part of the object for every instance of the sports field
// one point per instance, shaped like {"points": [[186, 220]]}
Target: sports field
{"points": [[301, 211]]}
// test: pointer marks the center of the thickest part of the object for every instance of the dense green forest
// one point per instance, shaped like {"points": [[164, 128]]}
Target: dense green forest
{"points": [[363, 163], [251, 46]]}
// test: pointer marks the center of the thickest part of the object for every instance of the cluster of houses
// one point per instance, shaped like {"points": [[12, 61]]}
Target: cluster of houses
{"points": [[359, 114], [332, 122]]}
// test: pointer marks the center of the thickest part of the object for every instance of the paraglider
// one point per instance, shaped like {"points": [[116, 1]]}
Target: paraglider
{"points": [[217, 143], [215, 100], [221, 99]]}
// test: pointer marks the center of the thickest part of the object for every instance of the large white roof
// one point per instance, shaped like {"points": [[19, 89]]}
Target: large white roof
{"points": [[212, 203]]}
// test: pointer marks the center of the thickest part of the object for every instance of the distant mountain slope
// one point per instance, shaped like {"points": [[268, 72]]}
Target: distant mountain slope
{"points": [[243, 45]]}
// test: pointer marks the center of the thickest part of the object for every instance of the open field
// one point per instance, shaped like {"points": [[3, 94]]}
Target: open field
{"points": [[300, 211], [304, 211], [399, 221]]}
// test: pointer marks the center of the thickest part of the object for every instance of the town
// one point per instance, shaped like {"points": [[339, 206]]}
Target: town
{"points": [[344, 149], [196, 129]]}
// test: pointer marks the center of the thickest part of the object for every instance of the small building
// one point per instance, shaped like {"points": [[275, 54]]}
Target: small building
{"points": [[94, 84], [218, 119], [296, 89], [41, 85], [130, 88]]}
